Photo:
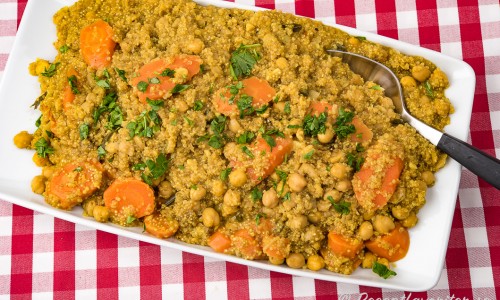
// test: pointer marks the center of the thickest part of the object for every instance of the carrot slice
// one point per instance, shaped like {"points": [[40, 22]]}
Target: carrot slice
{"points": [[393, 246], [245, 245], [259, 89], [160, 225], [344, 246], [363, 133], [219, 242], [165, 84], [274, 156], [318, 107], [97, 45], [74, 182], [129, 197]]}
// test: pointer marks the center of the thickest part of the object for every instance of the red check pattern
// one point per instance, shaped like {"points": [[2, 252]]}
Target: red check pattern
{"points": [[43, 257]]}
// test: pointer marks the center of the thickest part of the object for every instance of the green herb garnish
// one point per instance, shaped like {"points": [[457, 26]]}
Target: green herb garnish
{"points": [[51, 70], [130, 219], [309, 155], [256, 194], [142, 86], [376, 87], [225, 174], [245, 138], [287, 108], [180, 88], [72, 83], [247, 151], [198, 105], [156, 168], [382, 271], [154, 80], [314, 125], [429, 91], [84, 131], [121, 74], [63, 48], [244, 105], [343, 127], [101, 152], [342, 207], [167, 73], [43, 147], [242, 60]]}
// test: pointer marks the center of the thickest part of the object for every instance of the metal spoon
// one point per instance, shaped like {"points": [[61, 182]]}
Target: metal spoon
{"points": [[480, 163]]}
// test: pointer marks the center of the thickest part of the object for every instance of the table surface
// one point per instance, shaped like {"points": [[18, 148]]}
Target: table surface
{"points": [[45, 257]]}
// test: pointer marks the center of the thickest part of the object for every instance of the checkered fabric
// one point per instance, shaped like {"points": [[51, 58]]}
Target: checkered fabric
{"points": [[43, 257]]}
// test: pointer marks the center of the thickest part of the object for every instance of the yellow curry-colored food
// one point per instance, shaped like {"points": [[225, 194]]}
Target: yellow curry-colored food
{"points": [[234, 129]]}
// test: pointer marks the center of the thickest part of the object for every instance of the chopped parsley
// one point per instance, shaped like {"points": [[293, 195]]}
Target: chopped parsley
{"points": [[361, 38], [198, 105], [180, 88], [78, 169], [63, 48], [168, 73], [429, 91], [382, 271], [38, 121], [342, 207], [216, 142], [109, 105], [84, 131], [314, 125], [155, 168], [38, 100], [43, 147], [343, 127], [258, 217], [225, 174], [72, 83], [247, 151], [256, 194], [287, 108], [355, 161], [234, 90], [148, 122], [245, 138], [309, 155], [154, 80], [103, 82], [217, 125], [287, 196], [293, 126], [376, 87], [189, 121], [121, 74], [51, 70], [130, 219], [268, 136], [101, 152], [244, 105], [142, 86], [243, 60]]}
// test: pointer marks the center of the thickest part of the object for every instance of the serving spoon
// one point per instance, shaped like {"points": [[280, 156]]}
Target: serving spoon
{"points": [[478, 162]]}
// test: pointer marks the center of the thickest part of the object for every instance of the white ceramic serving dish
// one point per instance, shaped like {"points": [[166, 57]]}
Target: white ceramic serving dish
{"points": [[419, 270]]}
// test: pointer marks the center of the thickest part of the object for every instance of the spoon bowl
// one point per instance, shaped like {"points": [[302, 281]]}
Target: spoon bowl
{"points": [[480, 163]]}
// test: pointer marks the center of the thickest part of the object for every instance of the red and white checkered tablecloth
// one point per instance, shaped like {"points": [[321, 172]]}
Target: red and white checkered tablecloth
{"points": [[43, 257]]}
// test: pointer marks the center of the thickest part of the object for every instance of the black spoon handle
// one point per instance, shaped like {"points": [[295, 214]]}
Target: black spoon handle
{"points": [[478, 162]]}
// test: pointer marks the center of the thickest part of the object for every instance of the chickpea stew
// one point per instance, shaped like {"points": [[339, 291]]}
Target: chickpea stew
{"points": [[236, 130]]}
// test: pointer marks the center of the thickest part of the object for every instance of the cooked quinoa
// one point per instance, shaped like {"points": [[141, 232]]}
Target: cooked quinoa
{"points": [[277, 178]]}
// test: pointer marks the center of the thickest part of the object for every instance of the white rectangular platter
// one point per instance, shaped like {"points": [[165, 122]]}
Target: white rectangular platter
{"points": [[419, 270]]}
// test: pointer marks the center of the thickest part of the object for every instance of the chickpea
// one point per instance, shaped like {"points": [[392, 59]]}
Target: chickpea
{"points": [[210, 217], [408, 83], [232, 198], [420, 73], [365, 230], [315, 263], [47, 172], [23, 139], [276, 261], [323, 205], [198, 193], [383, 261], [368, 215], [368, 260], [314, 217], [181, 106], [295, 260], [270, 198], [195, 46], [334, 194], [339, 171], [165, 189], [400, 213], [88, 207], [38, 184], [398, 195], [282, 63], [344, 185], [40, 161], [300, 134], [354, 41], [410, 221], [218, 188], [235, 126], [101, 213], [327, 136], [296, 182], [238, 177], [383, 224], [38, 67], [428, 178], [228, 210], [279, 107], [297, 222]]}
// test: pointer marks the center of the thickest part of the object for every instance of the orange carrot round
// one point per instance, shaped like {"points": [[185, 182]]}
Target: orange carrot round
{"points": [[129, 197], [160, 225], [393, 246], [163, 83], [219, 242], [97, 45], [74, 182], [344, 246]]}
